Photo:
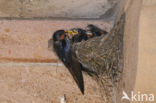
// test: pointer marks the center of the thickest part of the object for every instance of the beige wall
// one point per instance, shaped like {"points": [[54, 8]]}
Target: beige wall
{"points": [[55, 8], [139, 73], [15, 79], [146, 72]]}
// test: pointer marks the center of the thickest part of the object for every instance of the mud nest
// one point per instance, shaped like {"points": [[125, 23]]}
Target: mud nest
{"points": [[104, 58]]}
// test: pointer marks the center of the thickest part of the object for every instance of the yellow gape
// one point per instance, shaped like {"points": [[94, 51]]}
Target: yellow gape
{"points": [[71, 33]]}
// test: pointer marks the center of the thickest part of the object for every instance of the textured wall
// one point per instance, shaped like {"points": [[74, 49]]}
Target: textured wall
{"points": [[37, 79], [55, 8], [146, 72], [28, 69]]}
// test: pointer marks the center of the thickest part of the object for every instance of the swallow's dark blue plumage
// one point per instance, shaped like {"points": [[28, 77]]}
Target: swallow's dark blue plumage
{"points": [[62, 46]]}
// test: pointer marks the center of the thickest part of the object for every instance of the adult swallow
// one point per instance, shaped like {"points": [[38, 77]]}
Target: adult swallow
{"points": [[63, 48]]}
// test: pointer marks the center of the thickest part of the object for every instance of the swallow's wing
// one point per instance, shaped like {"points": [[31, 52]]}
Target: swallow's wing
{"points": [[74, 68], [76, 72], [73, 65]]}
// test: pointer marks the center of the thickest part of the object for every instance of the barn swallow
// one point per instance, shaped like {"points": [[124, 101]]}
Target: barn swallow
{"points": [[63, 48]]}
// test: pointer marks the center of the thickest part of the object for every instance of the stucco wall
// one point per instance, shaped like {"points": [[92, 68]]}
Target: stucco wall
{"points": [[146, 72], [55, 8], [28, 71]]}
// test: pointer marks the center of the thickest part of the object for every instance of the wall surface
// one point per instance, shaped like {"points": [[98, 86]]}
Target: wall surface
{"points": [[28, 70], [146, 72], [130, 51], [140, 52], [55, 8]]}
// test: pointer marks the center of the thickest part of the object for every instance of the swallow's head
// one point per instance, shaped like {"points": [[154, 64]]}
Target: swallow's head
{"points": [[57, 40], [59, 35], [95, 31], [90, 26], [59, 44]]}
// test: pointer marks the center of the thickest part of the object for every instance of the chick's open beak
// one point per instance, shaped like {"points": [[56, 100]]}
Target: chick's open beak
{"points": [[71, 33]]}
